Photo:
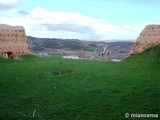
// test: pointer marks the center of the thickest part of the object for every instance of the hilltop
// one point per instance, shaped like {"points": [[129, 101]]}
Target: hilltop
{"points": [[56, 88]]}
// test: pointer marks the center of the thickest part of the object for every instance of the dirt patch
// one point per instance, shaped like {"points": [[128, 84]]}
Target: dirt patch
{"points": [[62, 72]]}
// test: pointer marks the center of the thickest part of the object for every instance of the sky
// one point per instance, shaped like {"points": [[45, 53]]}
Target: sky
{"points": [[81, 19]]}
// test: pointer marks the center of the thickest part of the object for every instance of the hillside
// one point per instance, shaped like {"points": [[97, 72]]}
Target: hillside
{"points": [[74, 44], [149, 56], [46, 88], [80, 48]]}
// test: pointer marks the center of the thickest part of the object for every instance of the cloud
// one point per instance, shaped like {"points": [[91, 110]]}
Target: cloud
{"points": [[22, 12], [68, 27], [132, 27], [10, 4], [48, 24]]}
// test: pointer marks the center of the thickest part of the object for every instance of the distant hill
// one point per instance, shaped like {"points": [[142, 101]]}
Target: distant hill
{"points": [[40, 44]]}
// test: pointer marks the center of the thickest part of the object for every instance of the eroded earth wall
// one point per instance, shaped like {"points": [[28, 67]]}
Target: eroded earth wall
{"points": [[13, 41], [150, 36]]}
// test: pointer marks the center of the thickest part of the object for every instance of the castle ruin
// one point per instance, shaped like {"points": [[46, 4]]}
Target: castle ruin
{"points": [[13, 42], [150, 36]]}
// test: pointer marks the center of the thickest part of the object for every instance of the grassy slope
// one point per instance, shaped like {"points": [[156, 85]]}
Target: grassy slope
{"points": [[92, 91]]}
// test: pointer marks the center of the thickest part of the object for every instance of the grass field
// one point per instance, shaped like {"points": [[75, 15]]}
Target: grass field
{"points": [[51, 88]]}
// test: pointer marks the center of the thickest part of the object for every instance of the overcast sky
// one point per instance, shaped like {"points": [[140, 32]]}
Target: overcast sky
{"points": [[81, 19]]}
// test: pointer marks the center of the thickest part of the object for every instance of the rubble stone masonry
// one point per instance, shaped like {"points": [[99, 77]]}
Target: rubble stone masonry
{"points": [[150, 36], [13, 41]]}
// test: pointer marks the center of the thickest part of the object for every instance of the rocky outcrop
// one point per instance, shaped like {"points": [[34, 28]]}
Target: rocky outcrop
{"points": [[150, 36], [13, 41]]}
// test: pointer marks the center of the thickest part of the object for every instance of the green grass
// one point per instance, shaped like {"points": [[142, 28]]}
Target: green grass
{"points": [[91, 48], [64, 89]]}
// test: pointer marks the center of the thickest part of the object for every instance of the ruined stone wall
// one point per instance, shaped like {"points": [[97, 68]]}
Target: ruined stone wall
{"points": [[13, 41], [150, 36]]}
